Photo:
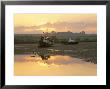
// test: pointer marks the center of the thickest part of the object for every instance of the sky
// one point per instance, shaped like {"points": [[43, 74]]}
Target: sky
{"points": [[39, 23]]}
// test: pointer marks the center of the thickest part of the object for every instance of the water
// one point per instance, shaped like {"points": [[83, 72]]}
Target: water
{"points": [[54, 65]]}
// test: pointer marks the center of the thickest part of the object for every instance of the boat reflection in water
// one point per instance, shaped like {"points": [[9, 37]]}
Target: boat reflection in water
{"points": [[48, 64], [44, 56]]}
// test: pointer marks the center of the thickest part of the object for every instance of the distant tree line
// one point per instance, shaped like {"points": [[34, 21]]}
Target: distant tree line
{"points": [[30, 39]]}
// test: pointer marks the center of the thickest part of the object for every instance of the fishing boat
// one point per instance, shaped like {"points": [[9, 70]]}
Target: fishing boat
{"points": [[45, 40]]}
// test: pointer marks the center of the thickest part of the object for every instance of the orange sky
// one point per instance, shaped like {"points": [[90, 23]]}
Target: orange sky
{"points": [[38, 23]]}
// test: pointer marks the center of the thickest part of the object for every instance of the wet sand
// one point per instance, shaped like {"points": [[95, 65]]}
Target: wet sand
{"points": [[83, 50]]}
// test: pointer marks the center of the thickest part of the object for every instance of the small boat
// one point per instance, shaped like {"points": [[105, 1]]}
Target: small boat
{"points": [[71, 41]]}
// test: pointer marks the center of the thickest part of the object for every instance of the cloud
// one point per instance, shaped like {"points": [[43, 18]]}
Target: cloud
{"points": [[69, 25], [59, 26], [27, 30]]}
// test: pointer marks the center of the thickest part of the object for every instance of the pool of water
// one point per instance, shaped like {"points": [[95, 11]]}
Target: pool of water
{"points": [[54, 65]]}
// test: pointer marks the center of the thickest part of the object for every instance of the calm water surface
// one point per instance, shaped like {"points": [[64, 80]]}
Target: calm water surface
{"points": [[56, 65]]}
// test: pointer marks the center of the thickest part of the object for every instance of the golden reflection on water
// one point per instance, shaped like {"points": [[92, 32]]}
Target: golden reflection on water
{"points": [[56, 65]]}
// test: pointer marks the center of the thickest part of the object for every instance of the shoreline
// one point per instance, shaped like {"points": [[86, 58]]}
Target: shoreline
{"points": [[83, 50]]}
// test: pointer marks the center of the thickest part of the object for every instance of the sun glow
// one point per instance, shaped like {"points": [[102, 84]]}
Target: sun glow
{"points": [[43, 64], [47, 29]]}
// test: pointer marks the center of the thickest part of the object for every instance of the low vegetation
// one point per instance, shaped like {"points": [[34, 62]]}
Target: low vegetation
{"points": [[30, 39]]}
